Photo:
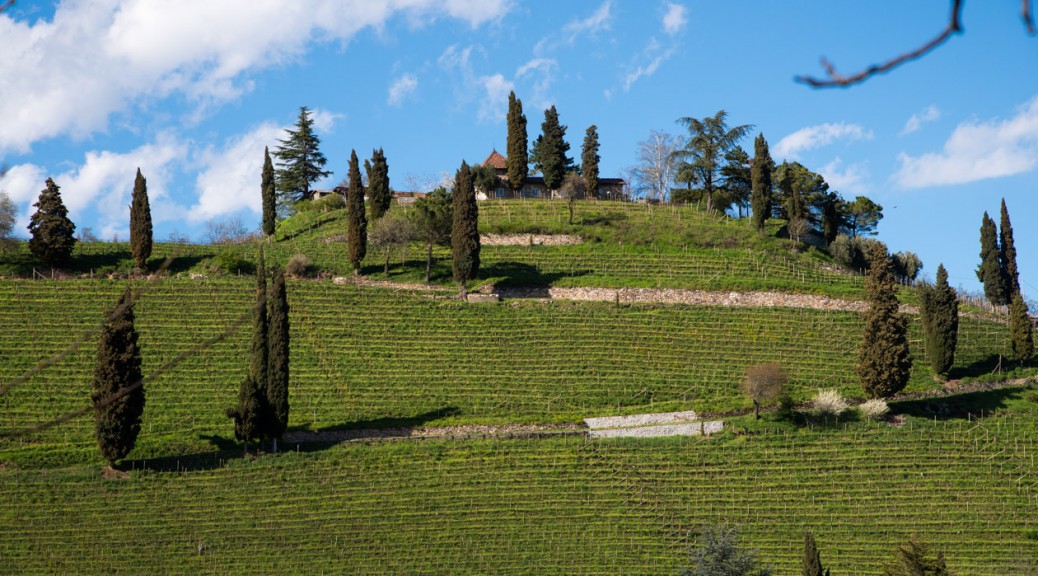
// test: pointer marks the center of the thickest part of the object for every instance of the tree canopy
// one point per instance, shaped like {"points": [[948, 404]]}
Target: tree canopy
{"points": [[268, 193], [140, 222], [517, 163], [589, 159], [118, 389], [357, 222], [761, 168], [709, 139], [549, 150], [52, 232], [884, 358], [465, 227], [379, 193], [300, 162]]}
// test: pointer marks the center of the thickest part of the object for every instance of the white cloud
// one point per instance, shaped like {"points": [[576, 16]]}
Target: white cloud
{"points": [[229, 179], [650, 60], [598, 20], [817, 136], [324, 120], [977, 151], [491, 91], [494, 106], [542, 70], [69, 75], [849, 179], [928, 114], [675, 19], [401, 89]]}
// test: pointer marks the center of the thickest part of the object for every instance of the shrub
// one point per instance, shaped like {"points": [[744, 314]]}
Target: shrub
{"points": [[298, 266], [874, 409], [764, 383], [330, 202], [828, 402], [232, 262]]}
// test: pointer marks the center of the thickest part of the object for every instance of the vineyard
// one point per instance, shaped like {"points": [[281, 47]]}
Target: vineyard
{"points": [[957, 470]]}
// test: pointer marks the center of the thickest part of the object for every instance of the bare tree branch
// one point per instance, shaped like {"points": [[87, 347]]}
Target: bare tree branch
{"points": [[838, 80], [6, 5], [1028, 16]]}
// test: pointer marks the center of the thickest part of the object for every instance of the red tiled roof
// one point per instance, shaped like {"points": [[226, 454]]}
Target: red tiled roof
{"points": [[495, 161]]}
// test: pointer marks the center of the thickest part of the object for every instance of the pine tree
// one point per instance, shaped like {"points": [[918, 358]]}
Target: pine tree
{"points": [[52, 231], [990, 270], [913, 559], [268, 191], [300, 162], [1007, 254], [884, 360], [812, 558], [760, 175], [549, 150], [118, 389], [278, 354], [517, 164], [589, 162], [1020, 329], [465, 231], [940, 313], [140, 222], [379, 193], [357, 223]]}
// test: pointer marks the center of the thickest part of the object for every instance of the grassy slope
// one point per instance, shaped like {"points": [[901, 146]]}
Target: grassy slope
{"points": [[545, 505]]}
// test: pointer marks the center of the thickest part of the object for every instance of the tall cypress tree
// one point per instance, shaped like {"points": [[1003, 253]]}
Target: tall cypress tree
{"points": [[52, 231], [118, 389], [990, 270], [760, 176], [517, 164], [140, 222], [1020, 329], [252, 414], [357, 223], [465, 229], [268, 191], [940, 313], [589, 162], [278, 349], [258, 352], [884, 359], [549, 150], [812, 558], [379, 193], [1007, 254]]}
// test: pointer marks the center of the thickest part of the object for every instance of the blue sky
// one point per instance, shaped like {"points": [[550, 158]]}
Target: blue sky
{"points": [[192, 91]]}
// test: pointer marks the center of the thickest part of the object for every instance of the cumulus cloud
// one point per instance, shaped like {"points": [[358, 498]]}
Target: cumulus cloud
{"points": [[229, 178], [977, 151], [849, 179], [817, 136], [928, 114], [675, 19], [70, 74], [402, 88]]}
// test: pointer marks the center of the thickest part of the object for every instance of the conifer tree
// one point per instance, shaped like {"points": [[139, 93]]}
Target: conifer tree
{"points": [[940, 313], [990, 270], [278, 352], [1007, 254], [589, 162], [884, 359], [549, 150], [465, 231], [252, 414], [1020, 329], [517, 164], [52, 231], [300, 162], [357, 224], [760, 176], [140, 222], [434, 218], [812, 558], [258, 352], [118, 389], [379, 193], [913, 559], [268, 190]]}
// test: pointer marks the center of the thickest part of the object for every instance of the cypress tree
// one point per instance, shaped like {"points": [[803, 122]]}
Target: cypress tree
{"points": [[517, 164], [118, 390], [465, 229], [990, 270], [52, 231], [260, 327], [357, 223], [379, 193], [1007, 254], [812, 558], [549, 150], [940, 313], [252, 414], [268, 190], [589, 162], [1020, 329], [760, 177], [278, 346], [884, 359], [140, 222]]}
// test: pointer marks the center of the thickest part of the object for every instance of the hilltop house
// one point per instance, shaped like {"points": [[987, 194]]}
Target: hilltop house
{"points": [[533, 186]]}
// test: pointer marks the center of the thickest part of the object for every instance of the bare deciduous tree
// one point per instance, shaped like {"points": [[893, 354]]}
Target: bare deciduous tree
{"points": [[655, 170], [764, 383]]}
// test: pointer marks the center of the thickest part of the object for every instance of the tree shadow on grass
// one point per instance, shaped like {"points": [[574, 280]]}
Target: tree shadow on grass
{"points": [[521, 275], [959, 406], [987, 365]]}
